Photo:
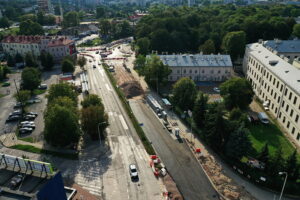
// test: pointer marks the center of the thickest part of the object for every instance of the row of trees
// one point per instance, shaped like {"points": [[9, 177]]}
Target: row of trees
{"points": [[224, 126], [212, 29]]}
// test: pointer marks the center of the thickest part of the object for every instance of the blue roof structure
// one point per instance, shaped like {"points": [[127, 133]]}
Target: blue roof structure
{"points": [[196, 60], [284, 46]]}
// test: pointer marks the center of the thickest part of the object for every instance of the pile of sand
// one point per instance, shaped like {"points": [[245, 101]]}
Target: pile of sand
{"points": [[132, 89]]}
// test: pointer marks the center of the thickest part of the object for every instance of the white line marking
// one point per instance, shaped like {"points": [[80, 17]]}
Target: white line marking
{"points": [[123, 122], [107, 87]]}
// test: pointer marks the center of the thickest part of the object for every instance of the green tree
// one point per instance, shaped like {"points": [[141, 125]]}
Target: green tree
{"points": [[292, 166], [29, 27], [67, 66], [61, 90], [155, 71], [10, 61], [47, 60], [30, 60], [237, 92], [61, 126], [19, 58], [277, 162], [4, 23], [264, 156], [184, 93], [81, 61], [31, 78], [3, 72], [199, 110], [296, 30], [40, 18], [91, 117], [234, 44], [64, 101], [208, 47], [22, 96], [91, 100], [105, 27], [100, 12], [238, 144], [71, 19], [143, 46], [216, 128], [139, 63], [26, 17]]}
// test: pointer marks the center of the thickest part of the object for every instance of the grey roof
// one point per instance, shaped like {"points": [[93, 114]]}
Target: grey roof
{"points": [[283, 70], [196, 60], [284, 46]]}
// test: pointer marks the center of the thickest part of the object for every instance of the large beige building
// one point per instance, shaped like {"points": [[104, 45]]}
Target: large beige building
{"points": [[276, 80], [58, 47], [198, 67]]}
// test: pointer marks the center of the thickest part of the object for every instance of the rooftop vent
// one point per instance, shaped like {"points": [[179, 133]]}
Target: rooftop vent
{"points": [[273, 62]]}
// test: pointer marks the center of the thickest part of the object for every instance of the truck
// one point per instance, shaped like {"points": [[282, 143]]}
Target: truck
{"points": [[263, 118]]}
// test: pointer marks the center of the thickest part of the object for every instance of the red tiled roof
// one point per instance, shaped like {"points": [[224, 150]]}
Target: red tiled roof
{"points": [[62, 41], [23, 39]]}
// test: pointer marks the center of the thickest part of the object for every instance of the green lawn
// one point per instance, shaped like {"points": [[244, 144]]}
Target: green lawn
{"points": [[260, 134], [10, 31], [91, 43], [38, 91]]}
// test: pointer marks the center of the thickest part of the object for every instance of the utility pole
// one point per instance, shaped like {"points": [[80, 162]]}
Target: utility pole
{"points": [[22, 106]]}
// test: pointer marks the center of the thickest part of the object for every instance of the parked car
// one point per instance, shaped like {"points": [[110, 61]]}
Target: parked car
{"points": [[25, 130], [29, 117], [32, 113], [94, 66], [18, 105], [16, 181], [133, 172], [16, 112], [29, 125], [13, 118], [43, 87], [26, 122], [216, 89], [5, 84], [97, 52], [263, 118]]}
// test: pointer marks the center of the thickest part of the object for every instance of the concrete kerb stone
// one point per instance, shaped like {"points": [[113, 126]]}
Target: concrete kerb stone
{"points": [[211, 182]]}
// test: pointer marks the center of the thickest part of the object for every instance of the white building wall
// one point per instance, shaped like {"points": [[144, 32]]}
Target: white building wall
{"points": [[284, 102]]}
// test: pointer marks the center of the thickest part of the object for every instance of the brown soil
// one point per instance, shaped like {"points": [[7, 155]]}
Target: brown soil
{"points": [[83, 194], [172, 188]]}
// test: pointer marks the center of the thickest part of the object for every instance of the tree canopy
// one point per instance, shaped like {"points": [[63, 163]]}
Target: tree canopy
{"points": [[67, 66], [61, 89], [184, 93], [31, 78], [29, 27], [237, 92], [71, 19]]}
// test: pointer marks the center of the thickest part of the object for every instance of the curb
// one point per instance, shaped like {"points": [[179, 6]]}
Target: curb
{"points": [[221, 196]]}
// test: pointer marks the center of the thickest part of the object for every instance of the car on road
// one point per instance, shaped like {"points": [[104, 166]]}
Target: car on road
{"points": [[43, 87], [25, 130], [216, 89], [5, 84], [97, 52], [16, 181], [133, 172], [94, 66], [90, 61]]}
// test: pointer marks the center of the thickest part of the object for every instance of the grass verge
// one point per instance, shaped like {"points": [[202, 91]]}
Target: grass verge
{"points": [[32, 149], [38, 91], [134, 121], [26, 139]]}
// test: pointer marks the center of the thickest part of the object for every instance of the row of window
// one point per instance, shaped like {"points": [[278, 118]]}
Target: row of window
{"points": [[184, 71]]}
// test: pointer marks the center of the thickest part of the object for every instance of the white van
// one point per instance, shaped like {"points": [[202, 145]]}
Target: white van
{"points": [[263, 118]]}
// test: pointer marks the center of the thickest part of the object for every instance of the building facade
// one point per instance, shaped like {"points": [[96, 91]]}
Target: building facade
{"points": [[275, 80], [58, 47], [45, 6], [198, 67]]}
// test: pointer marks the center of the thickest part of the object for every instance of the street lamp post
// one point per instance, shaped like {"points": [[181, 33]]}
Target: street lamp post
{"points": [[286, 175], [99, 131]]}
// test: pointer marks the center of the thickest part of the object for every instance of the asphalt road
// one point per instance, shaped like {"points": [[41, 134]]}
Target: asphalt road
{"points": [[125, 146], [181, 164]]}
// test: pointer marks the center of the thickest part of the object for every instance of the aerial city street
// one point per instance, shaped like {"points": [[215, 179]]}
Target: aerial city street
{"points": [[149, 100]]}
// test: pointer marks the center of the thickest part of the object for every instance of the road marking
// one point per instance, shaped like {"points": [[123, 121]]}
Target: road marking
{"points": [[123, 122], [107, 87]]}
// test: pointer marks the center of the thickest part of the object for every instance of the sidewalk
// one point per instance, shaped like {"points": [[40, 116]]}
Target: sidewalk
{"points": [[221, 174]]}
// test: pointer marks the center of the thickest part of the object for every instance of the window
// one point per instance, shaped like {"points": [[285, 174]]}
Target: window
{"points": [[285, 92], [277, 84], [283, 120], [202, 71], [275, 110], [287, 108], [271, 92], [212, 71], [290, 96], [293, 130], [282, 104], [295, 100], [275, 95], [178, 71], [298, 136], [291, 113], [297, 118], [184, 71], [278, 100], [191, 71], [279, 115], [219, 71], [281, 87], [288, 125], [272, 106], [196, 71]]}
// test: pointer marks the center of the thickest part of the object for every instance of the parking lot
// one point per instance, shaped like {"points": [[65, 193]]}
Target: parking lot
{"points": [[7, 105]]}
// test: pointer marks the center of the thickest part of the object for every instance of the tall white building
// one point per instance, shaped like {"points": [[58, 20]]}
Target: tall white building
{"points": [[198, 67], [276, 80]]}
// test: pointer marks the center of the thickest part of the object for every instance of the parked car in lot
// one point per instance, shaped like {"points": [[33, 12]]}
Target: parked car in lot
{"points": [[16, 181], [26, 122], [25, 130], [29, 117], [16, 112], [216, 89], [133, 172], [43, 87], [18, 105], [5, 84], [32, 113], [263, 118], [13, 118], [28, 126]]}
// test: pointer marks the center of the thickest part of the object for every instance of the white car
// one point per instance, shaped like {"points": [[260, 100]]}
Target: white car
{"points": [[216, 89], [25, 130], [27, 122], [133, 172]]}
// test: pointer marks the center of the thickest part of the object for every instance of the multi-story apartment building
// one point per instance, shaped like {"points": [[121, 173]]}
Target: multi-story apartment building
{"points": [[198, 67], [45, 5], [275, 80], [58, 47]]}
